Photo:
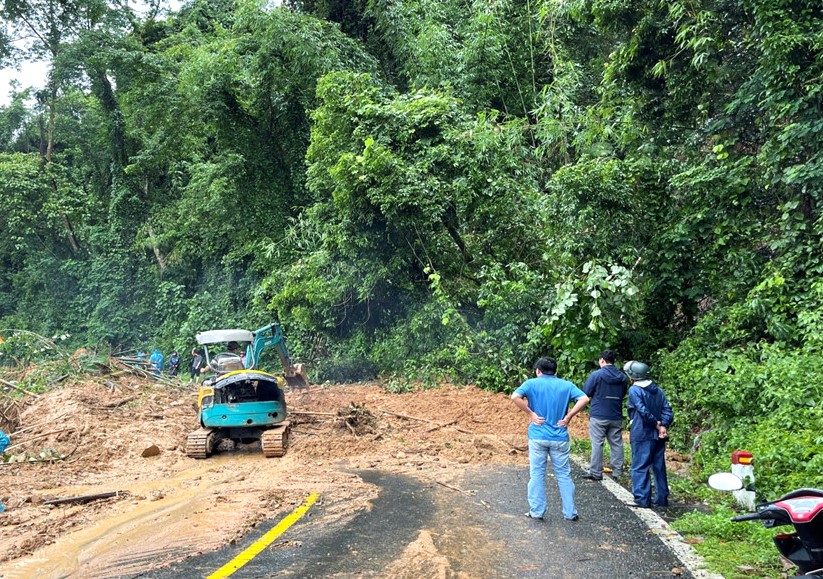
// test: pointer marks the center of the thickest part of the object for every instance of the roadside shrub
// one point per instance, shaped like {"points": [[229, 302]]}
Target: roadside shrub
{"points": [[763, 397], [733, 549]]}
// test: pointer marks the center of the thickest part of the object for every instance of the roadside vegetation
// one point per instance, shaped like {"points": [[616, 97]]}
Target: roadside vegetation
{"points": [[429, 191]]}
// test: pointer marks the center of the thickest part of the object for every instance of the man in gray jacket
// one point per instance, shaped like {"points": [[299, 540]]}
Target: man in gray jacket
{"points": [[607, 388]]}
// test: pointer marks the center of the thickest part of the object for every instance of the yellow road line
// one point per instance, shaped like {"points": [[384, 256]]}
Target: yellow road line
{"points": [[264, 541]]}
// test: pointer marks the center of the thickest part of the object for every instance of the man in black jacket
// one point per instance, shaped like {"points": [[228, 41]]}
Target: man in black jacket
{"points": [[196, 365], [607, 388]]}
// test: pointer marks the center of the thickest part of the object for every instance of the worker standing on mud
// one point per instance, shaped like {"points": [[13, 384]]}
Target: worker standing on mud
{"points": [[4, 442], [196, 365], [545, 398], [174, 363]]}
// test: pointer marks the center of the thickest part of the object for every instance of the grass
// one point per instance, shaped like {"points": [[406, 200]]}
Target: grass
{"points": [[734, 550]]}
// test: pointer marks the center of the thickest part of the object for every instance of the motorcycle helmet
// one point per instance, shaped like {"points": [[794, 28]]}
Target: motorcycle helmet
{"points": [[636, 370]]}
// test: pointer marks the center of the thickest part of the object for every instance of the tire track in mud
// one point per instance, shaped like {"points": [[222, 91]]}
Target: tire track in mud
{"points": [[142, 534]]}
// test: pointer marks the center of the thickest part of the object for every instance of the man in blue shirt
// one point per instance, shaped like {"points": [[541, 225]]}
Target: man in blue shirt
{"points": [[546, 399], [607, 388]]}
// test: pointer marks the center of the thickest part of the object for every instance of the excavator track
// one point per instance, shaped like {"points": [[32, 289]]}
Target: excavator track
{"points": [[275, 441], [200, 443]]}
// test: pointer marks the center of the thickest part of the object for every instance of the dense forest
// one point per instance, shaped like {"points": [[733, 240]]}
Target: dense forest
{"points": [[431, 190]]}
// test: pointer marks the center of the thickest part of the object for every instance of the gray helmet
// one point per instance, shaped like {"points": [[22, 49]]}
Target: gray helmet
{"points": [[636, 370]]}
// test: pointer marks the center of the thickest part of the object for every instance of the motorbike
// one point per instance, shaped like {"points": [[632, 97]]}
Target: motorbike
{"points": [[802, 509]]}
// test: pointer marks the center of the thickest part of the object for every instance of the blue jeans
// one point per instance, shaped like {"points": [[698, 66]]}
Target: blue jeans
{"points": [[649, 454], [558, 451]]}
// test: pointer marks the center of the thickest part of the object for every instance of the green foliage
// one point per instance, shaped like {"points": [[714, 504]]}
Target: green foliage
{"points": [[584, 316], [440, 190], [731, 548], [757, 396]]}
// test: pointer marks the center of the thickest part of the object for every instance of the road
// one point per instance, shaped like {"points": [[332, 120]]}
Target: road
{"points": [[476, 528]]}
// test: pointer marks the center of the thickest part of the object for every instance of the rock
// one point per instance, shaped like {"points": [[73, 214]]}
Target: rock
{"points": [[150, 451]]}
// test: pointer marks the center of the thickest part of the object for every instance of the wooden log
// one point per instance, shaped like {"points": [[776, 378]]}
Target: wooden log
{"points": [[18, 388], [84, 498]]}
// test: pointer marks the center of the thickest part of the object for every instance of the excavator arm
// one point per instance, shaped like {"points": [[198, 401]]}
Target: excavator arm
{"points": [[271, 336]]}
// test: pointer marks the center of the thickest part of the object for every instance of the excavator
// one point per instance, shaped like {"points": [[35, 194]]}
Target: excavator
{"points": [[239, 402]]}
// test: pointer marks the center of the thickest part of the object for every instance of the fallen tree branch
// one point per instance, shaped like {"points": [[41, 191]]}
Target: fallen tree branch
{"points": [[52, 459], [85, 498], [437, 426], [35, 425], [36, 437], [18, 388], [407, 417], [461, 491], [307, 413], [128, 368]]}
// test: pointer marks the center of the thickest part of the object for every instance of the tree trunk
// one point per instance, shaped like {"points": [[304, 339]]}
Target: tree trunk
{"points": [[75, 247], [161, 259], [52, 116]]}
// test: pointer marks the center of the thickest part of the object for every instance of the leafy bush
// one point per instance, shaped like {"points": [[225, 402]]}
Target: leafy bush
{"points": [[760, 396]]}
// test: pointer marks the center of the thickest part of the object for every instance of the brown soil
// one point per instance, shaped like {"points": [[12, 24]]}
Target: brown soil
{"points": [[171, 507]]}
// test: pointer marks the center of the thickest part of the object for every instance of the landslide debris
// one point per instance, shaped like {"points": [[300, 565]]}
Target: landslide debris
{"points": [[123, 437]]}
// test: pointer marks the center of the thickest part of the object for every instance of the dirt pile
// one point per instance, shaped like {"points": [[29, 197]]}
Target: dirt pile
{"points": [[91, 437]]}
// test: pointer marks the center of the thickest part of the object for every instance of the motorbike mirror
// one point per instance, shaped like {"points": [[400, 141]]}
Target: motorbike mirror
{"points": [[725, 481]]}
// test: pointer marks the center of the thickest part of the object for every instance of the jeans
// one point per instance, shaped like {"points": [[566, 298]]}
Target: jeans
{"points": [[558, 451], [601, 430], [649, 454]]}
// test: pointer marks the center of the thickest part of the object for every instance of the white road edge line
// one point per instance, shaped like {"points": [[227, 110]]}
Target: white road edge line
{"points": [[671, 538]]}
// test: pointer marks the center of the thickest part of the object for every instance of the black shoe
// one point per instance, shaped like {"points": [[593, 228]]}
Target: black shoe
{"points": [[574, 518], [642, 506], [531, 516], [589, 476]]}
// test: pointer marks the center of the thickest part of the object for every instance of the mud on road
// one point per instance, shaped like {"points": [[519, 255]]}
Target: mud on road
{"points": [[129, 436]]}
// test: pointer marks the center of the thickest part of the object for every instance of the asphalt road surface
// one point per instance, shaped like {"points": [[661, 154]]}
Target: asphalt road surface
{"points": [[417, 529]]}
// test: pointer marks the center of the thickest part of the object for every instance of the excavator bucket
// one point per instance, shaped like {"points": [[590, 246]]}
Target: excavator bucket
{"points": [[296, 377]]}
